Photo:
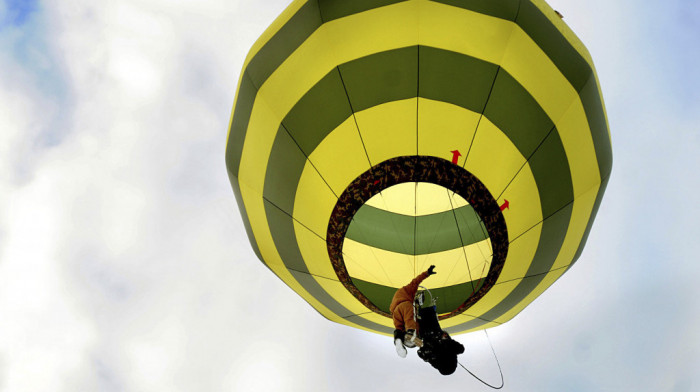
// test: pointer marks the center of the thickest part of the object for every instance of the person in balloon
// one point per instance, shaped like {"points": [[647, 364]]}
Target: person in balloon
{"points": [[438, 348], [402, 311], [436, 345]]}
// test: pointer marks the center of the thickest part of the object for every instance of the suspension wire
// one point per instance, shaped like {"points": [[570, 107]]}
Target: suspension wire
{"points": [[371, 249], [478, 246], [478, 283], [364, 148], [415, 216], [497, 362], [481, 226], [432, 242], [347, 256], [396, 230], [415, 190], [461, 240]]}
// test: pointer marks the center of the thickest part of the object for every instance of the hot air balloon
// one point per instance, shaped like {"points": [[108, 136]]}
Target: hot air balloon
{"points": [[372, 138]]}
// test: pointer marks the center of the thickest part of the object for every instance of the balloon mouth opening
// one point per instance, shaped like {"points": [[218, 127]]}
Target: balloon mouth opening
{"points": [[406, 213]]}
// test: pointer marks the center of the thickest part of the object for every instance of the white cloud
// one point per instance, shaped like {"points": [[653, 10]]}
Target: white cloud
{"points": [[44, 336]]}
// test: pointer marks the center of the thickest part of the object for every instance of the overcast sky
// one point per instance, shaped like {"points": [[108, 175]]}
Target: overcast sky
{"points": [[124, 265]]}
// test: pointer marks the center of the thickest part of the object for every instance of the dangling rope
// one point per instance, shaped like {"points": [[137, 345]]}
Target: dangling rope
{"points": [[498, 363]]}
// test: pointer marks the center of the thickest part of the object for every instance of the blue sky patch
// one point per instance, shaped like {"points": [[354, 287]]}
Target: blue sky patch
{"points": [[18, 11], [25, 42]]}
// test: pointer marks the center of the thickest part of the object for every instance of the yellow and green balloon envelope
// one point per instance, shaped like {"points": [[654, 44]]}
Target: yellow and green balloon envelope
{"points": [[372, 138]]}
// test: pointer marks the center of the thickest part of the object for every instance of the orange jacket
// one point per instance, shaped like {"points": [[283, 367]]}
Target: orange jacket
{"points": [[408, 292]]}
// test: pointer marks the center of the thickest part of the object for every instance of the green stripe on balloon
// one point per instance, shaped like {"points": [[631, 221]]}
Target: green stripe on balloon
{"points": [[432, 233], [448, 298]]}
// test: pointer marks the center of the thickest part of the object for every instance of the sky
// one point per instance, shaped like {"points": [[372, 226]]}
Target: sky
{"points": [[124, 264]]}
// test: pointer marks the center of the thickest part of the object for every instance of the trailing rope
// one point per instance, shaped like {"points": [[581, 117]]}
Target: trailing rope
{"points": [[498, 363]]}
